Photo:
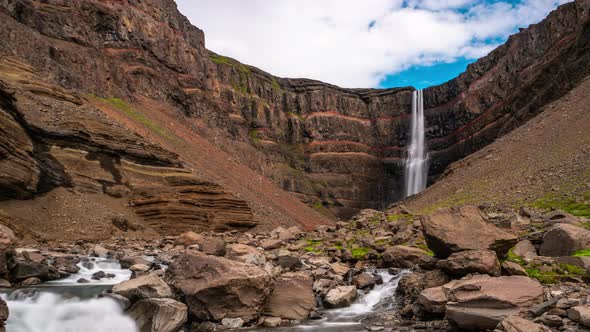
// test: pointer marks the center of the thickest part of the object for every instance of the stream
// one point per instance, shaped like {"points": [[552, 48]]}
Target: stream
{"points": [[68, 306]]}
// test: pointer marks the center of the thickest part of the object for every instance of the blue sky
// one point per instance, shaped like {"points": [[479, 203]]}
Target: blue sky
{"points": [[362, 43]]}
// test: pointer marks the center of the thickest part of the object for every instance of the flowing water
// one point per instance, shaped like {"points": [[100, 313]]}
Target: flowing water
{"points": [[416, 173], [67, 306], [349, 319]]}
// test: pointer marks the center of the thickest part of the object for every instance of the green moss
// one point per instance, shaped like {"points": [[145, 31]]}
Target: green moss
{"points": [[543, 277], [424, 247], [396, 217], [586, 225], [567, 204], [514, 258], [313, 246], [254, 135], [132, 113], [359, 253], [582, 253], [573, 269]]}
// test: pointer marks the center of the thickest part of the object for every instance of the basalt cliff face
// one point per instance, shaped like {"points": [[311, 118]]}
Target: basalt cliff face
{"points": [[337, 149]]}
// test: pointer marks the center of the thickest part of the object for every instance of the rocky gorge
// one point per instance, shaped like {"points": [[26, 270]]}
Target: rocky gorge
{"points": [[149, 184]]}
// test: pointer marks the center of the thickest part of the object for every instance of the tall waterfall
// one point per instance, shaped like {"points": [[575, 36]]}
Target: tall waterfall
{"points": [[417, 157]]}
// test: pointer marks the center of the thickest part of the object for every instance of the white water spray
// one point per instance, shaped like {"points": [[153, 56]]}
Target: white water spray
{"points": [[417, 157]]}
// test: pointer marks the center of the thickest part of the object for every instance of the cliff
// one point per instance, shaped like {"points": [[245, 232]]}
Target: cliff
{"points": [[332, 147]]}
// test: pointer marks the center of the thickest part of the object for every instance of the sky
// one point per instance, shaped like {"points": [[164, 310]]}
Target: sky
{"points": [[362, 43]]}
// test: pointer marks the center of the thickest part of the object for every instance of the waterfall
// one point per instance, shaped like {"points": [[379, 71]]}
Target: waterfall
{"points": [[417, 157]]}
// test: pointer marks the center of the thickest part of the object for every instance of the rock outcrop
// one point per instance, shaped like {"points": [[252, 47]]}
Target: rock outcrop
{"points": [[215, 288], [451, 230], [339, 147]]}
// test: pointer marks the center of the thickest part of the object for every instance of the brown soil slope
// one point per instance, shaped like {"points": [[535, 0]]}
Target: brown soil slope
{"points": [[545, 163]]}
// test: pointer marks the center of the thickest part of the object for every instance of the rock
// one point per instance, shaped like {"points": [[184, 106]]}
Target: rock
{"points": [[30, 282], [292, 297], [405, 257], [26, 269], [215, 246], [433, 300], [139, 268], [5, 283], [471, 261], [245, 254], [98, 275], [524, 248], [215, 288], [82, 281], [564, 240], [232, 323], [340, 269], [322, 286], [100, 251], [339, 297], [411, 285], [288, 260], [271, 244], [582, 262], [364, 280], [566, 303], [4, 312], [561, 217], [144, 287], [513, 269], [481, 302], [451, 230], [518, 324], [189, 239], [551, 320], [580, 314], [158, 315], [289, 233], [272, 321]]}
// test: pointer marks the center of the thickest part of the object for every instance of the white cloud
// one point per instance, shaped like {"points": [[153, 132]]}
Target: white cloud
{"points": [[334, 40]]}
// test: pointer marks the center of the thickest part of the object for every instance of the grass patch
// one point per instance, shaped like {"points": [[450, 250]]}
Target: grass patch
{"points": [[313, 246], [396, 217], [125, 108], [570, 205], [275, 85], [582, 253], [543, 277], [425, 248], [359, 253], [573, 269], [514, 258], [586, 225]]}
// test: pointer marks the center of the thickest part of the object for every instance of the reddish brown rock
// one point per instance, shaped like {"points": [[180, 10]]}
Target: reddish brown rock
{"points": [[215, 288], [405, 257], [452, 230], [564, 240], [292, 297], [471, 261]]}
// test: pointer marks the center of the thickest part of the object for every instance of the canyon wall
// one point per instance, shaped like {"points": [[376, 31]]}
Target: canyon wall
{"points": [[337, 149]]}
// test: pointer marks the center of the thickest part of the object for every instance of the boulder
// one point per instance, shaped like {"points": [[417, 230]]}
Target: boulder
{"points": [[27, 269], [481, 302], [411, 285], [472, 261], [580, 314], [433, 300], [3, 312], [189, 239], [245, 254], [340, 269], [518, 324], [405, 257], [561, 217], [288, 260], [339, 297], [564, 240], [213, 246], [271, 244], [364, 280], [100, 251], [232, 323], [452, 230], [158, 315], [272, 321], [215, 288], [292, 297], [524, 248], [144, 287], [513, 269]]}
